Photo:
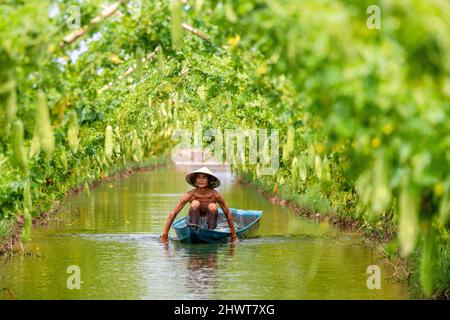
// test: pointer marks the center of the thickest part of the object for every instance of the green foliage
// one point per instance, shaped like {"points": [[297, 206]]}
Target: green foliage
{"points": [[6, 227], [139, 55], [363, 114], [439, 281], [391, 248]]}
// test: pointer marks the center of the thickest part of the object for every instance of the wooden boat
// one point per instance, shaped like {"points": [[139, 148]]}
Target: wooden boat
{"points": [[246, 223]]}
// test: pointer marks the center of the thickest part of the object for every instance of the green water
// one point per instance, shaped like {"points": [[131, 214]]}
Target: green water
{"points": [[112, 236]]}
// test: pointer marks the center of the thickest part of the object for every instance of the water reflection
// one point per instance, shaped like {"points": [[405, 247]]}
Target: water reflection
{"points": [[202, 264]]}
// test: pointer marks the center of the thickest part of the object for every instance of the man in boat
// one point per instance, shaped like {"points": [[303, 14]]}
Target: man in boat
{"points": [[203, 210]]}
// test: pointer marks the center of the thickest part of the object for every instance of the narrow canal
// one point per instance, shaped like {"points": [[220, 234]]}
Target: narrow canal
{"points": [[112, 237]]}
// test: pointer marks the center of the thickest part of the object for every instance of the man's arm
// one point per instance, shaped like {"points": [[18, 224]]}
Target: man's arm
{"points": [[228, 215], [184, 199]]}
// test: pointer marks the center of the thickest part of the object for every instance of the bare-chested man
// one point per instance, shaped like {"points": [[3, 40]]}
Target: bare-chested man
{"points": [[203, 211]]}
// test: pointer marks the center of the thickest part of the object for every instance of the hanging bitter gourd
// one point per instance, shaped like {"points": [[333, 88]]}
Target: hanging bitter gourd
{"points": [[117, 141], [288, 148], [35, 145], [326, 169], [73, 131], [161, 64], [311, 156], [444, 208], [109, 142], [86, 189], [428, 262], [136, 147], [139, 54], [408, 228], [11, 105], [318, 167], [364, 189], [381, 195], [175, 24], [27, 196], [45, 129], [20, 154], [26, 225], [294, 170]]}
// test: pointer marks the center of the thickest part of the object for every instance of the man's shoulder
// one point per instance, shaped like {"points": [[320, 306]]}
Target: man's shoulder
{"points": [[188, 194]]}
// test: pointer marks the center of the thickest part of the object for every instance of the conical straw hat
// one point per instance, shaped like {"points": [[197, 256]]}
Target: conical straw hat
{"points": [[214, 182]]}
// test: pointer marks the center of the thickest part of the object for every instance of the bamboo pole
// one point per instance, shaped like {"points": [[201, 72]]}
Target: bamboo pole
{"points": [[109, 11], [194, 31]]}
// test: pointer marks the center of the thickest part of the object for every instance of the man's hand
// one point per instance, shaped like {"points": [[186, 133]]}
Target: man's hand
{"points": [[184, 199], [234, 239], [164, 238]]}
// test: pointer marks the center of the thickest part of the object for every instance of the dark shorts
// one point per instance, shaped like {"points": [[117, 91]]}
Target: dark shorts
{"points": [[203, 219]]}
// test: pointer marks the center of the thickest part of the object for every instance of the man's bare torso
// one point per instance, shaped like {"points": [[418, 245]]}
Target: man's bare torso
{"points": [[205, 198]]}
